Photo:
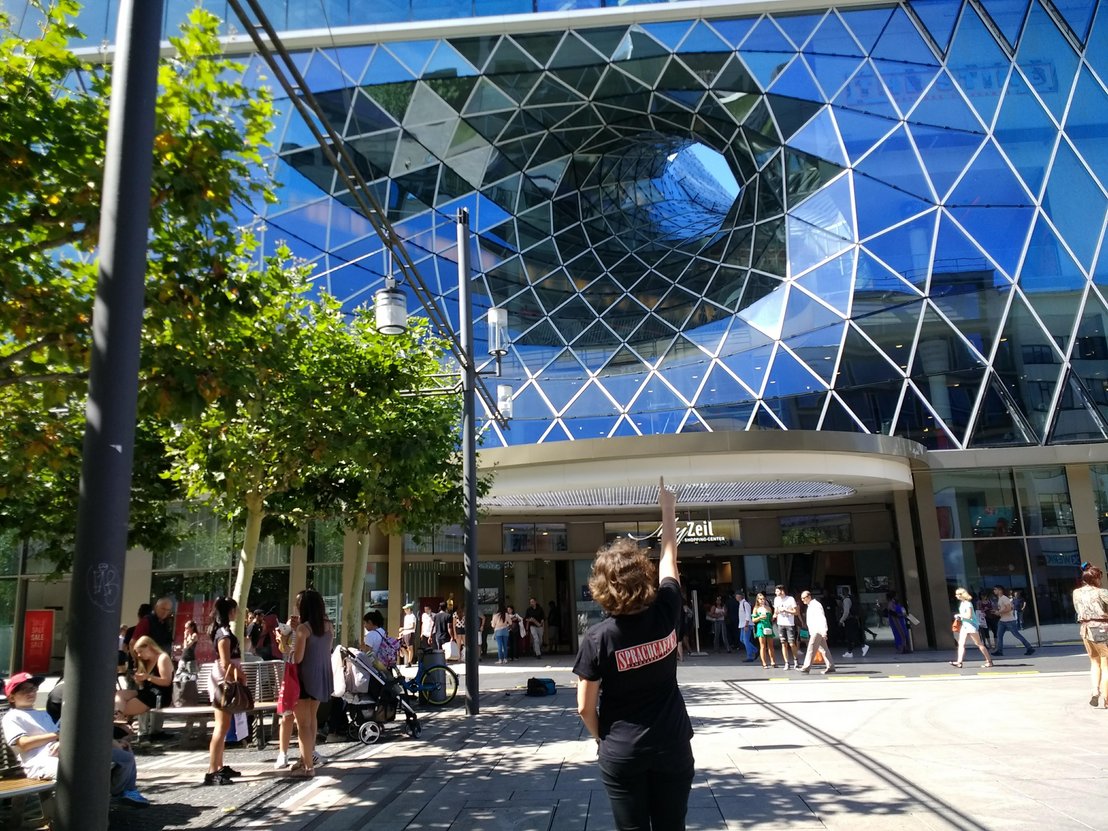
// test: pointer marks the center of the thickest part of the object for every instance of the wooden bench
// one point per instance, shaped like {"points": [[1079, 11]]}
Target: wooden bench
{"points": [[16, 786], [264, 680]]}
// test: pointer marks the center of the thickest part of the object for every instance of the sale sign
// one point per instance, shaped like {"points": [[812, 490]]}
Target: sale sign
{"points": [[38, 640]]}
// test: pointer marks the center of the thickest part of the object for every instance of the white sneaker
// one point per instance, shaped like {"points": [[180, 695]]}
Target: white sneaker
{"points": [[282, 761], [865, 649], [848, 654]]}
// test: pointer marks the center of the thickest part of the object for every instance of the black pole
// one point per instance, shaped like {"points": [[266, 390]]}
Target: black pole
{"points": [[103, 508], [469, 465]]}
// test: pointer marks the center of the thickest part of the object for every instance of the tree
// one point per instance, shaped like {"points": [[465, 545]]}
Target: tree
{"points": [[320, 406], [53, 117]]}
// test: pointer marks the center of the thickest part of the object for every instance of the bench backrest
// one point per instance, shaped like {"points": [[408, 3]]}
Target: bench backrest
{"points": [[263, 678]]}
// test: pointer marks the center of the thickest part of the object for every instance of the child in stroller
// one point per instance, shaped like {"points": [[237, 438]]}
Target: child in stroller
{"points": [[373, 697]]}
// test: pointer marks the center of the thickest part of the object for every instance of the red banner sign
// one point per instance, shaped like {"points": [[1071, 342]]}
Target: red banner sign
{"points": [[38, 640]]}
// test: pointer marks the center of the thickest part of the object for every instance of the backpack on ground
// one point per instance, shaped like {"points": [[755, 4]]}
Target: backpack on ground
{"points": [[541, 686]]}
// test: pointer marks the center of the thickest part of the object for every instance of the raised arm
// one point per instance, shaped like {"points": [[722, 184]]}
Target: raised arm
{"points": [[667, 501]]}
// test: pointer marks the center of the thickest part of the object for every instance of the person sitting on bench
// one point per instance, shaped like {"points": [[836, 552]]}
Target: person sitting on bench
{"points": [[33, 734]]}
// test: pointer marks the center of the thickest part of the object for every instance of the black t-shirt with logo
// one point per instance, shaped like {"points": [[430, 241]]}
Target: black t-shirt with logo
{"points": [[442, 627], [634, 657]]}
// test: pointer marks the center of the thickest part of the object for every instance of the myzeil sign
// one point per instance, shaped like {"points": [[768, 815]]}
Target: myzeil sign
{"points": [[699, 532]]}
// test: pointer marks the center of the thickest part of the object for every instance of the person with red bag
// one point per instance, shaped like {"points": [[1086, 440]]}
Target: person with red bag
{"points": [[289, 693]]}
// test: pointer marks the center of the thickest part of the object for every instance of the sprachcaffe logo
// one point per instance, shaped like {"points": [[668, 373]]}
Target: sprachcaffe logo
{"points": [[636, 657]]}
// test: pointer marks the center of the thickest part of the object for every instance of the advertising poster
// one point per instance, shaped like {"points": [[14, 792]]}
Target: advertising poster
{"points": [[38, 640]]}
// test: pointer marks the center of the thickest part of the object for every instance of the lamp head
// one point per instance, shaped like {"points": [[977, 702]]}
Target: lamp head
{"points": [[390, 307]]}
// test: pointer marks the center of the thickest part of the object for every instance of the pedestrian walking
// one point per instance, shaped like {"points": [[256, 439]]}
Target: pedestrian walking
{"points": [[717, 616], [533, 618], [761, 617], [898, 622], [746, 627], [784, 618], [1090, 603], [852, 627], [969, 625], [816, 619], [1008, 621], [639, 722], [227, 668]]}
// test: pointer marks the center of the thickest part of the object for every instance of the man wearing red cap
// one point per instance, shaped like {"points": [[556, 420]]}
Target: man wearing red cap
{"points": [[34, 736]]}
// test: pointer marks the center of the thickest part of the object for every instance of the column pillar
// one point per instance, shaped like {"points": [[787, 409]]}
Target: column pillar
{"points": [[927, 564], [1085, 519]]}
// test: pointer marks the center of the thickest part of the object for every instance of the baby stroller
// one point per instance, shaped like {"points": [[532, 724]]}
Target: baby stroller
{"points": [[373, 698]]}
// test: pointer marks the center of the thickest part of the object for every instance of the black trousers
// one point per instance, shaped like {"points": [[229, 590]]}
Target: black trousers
{"points": [[651, 792]]}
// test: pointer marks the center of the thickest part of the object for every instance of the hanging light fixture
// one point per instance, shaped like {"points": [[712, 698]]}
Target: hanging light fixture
{"points": [[390, 307], [498, 332], [504, 394]]}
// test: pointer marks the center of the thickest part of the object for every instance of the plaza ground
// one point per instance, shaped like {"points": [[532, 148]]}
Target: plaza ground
{"points": [[887, 742]]}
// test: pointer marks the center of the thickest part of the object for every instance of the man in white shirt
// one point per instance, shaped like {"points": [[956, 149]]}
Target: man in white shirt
{"points": [[746, 636], [407, 634], [1009, 622], [817, 633], [426, 629], [784, 617]]}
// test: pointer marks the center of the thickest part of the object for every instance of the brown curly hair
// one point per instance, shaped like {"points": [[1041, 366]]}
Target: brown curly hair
{"points": [[624, 580]]}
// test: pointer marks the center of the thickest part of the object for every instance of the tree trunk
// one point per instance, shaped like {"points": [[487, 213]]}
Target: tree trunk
{"points": [[353, 601], [248, 556]]}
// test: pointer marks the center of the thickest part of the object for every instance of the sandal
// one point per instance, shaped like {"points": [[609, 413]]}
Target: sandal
{"points": [[989, 664], [955, 664]]}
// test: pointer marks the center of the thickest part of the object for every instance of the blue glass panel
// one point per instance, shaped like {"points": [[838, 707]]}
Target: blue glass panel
{"points": [[797, 82], [880, 206], [683, 374], [1100, 271], [832, 282], [833, 38], [832, 71], [990, 181], [385, 69], [591, 402], [624, 427], [820, 138], [1047, 60], [1097, 51], [589, 428], [1075, 204], [657, 395], [1048, 267], [830, 209], [789, 377], [414, 54], [894, 162], [669, 34], [624, 386], [1008, 15], [805, 314], [765, 66], [749, 366], [906, 82], [766, 37], [734, 31], [945, 153], [901, 41], [1001, 232], [863, 364], [865, 92], [490, 7], [876, 286], [702, 38], [907, 248], [708, 335], [320, 14], [819, 349], [866, 24], [798, 27], [1078, 14], [447, 62], [722, 388], [943, 106], [1087, 124], [1025, 133], [939, 17], [978, 64], [860, 132], [959, 265]]}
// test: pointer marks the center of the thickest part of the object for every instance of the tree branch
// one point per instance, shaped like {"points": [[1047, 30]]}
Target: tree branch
{"points": [[8, 360], [40, 379]]}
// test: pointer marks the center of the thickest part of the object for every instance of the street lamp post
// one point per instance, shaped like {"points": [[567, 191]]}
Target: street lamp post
{"points": [[390, 308]]}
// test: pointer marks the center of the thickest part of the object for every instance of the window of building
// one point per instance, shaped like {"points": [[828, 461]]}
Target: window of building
{"points": [[541, 538], [815, 529]]}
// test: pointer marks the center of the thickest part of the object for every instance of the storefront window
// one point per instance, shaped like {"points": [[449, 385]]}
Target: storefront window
{"points": [[1056, 565], [446, 539], [586, 610], [815, 529], [1099, 475], [1045, 498]]}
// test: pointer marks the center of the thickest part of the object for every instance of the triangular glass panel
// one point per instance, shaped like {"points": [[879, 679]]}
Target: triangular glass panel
{"points": [[974, 47], [819, 349], [703, 39], [668, 34], [876, 286], [894, 162], [892, 330], [941, 106], [809, 245], [605, 40], [1048, 267], [945, 153], [838, 418], [764, 66], [866, 24], [880, 206], [820, 138], [767, 311], [832, 38], [831, 209], [559, 392], [530, 403], [624, 427], [860, 132], [906, 83], [1008, 15], [1076, 204], [1097, 52], [788, 376], [806, 314], [999, 422], [906, 249], [875, 405], [798, 27], [573, 53], [797, 82], [693, 424], [591, 401], [734, 30], [589, 428], [625, 386], [540, 46], [1028, 363], [476, 50], [1025, 132], [1000, 232], [916, 422], [1085, 124], [637, 44], [508, 59], [393, 97], [942, 350], [901, 41], [1100, 270], [866, 93], [684, 367], [1076, 418], [989, 181], [959, 264], [938, 18], [557, 432], [832, 71], [707, 326], [748, 361], [863, 365], [1078, 15], [731, 417], [765, 419], [447, 62], [1043, 45], [832, 282], [1091, 344], [656, 394], [722, 388], [414, 54], [767, 37]]}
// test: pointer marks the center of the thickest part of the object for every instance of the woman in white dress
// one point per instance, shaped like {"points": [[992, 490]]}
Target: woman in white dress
{"points": [[969, 628]]}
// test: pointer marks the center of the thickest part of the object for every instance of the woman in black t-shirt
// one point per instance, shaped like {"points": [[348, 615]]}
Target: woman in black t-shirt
{"points": [[628, 696]]}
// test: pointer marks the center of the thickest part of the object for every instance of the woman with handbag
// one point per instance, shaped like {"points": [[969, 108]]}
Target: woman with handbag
{"points": [[761, 618], [312, 654], [226, 672], [966, 626], [1090, 603]]}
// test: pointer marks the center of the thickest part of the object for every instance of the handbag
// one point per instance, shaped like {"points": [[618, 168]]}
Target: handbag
{"points": [[956, 626], [234, 697], [289, 693], [1096, 632]]}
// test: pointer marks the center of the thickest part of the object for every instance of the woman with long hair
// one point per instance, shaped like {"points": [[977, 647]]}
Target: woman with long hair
{"points": [[153, 678], [226, 669], [969, 628], [1090, 604], [313, 658], [761, 618], [640, 722], [502, 632]]}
